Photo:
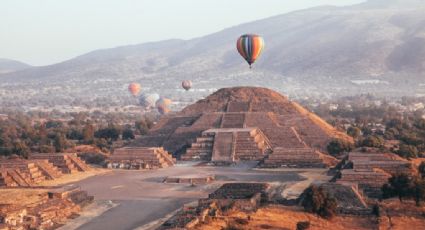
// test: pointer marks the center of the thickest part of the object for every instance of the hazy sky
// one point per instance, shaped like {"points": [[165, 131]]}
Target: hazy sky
{"points": [[41, 32]]}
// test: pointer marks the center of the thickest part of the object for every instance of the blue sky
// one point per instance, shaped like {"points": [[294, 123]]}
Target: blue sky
{"points": [[42, 32]]}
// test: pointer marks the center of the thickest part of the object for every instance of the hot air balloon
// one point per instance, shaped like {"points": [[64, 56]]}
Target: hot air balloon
{"points": [[148, 100], [134, 88], [186, 85], [162, 105], [250, 47]]}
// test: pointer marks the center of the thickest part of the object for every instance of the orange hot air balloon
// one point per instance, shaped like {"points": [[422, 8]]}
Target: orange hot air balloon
{"points": [[250, 47], [187, 85], [134, 89], [163, 105]]}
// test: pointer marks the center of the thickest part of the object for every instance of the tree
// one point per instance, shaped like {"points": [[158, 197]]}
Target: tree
{"points": [[21, 149], [373, 141], [59, 142], [88, 133], [421, 169], [354, 132], [110, 133], [407, 151], [419, 191], [316, 200], [128, 134], [338, 146], [400, 185]]}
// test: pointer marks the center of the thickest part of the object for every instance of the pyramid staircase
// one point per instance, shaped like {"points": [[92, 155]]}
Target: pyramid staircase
{"points": [[26, 169], [303, 157], [50, 171], [140, 157], [252, 145], [233, 120], [66, 162], [201, 149], [14, 178]]}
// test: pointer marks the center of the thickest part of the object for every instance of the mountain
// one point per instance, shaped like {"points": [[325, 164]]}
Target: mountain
{"points": [[8, 66], [377, 46]]}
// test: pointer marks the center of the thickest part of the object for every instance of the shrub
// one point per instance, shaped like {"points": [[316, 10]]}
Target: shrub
{"points": [[407, 151], [338, 146], [303, 225], [316, 200]]}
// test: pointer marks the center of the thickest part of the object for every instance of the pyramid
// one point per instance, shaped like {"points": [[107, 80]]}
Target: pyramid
{"points": [[245, 123]]}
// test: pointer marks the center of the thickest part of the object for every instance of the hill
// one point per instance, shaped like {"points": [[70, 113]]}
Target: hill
{"points": [[377, 46], [8, 66]]}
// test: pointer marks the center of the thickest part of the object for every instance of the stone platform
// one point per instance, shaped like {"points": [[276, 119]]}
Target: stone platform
{"points": [[140, 158], [66, 162], [190, 179]]}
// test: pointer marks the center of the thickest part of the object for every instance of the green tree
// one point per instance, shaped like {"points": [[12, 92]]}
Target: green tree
{"points": [[407, 151], [316, 200], [421, 169], [338, 146], [354, 132], [400, 185], [59, 142], [373, 141], [128, 134], [21, 149]]}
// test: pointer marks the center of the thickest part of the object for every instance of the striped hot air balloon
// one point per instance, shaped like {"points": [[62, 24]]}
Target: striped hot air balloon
{"points": [[187, 85], [250, 47], [134, 88]]}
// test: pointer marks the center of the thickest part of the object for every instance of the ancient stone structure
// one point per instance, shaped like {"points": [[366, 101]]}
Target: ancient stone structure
{"points": [[231, 196], [66, 162], [244, 123], [350, 200], [51, 211], [140, 158], [26, 173], [371, 170], [190, 179]]}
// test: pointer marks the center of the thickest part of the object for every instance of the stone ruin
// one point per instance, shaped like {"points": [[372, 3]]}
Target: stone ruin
{"points": [[245, 123], [66, 162], [50, 212], [190, 179], [230, 196], [140, 158], [349, 198], [370, 171], [40, 167]]}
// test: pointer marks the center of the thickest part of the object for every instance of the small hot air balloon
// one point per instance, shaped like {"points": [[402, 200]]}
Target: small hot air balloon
{"points": [[250, 47], [148, 100], [162, 105], [134, 88], [187, 85]]}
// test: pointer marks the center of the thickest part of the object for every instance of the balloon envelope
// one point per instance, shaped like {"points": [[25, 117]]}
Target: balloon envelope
{"points": [[148, 100], [250, 47], [162, 105], [134, 88], [187, 85]]}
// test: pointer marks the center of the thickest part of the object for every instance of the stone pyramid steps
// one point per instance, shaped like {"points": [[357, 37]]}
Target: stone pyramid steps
{"points": [[14, 178], [201, 149], [233, 120], [66, 162], [50, 171], [137, 158], [294, 157]]}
